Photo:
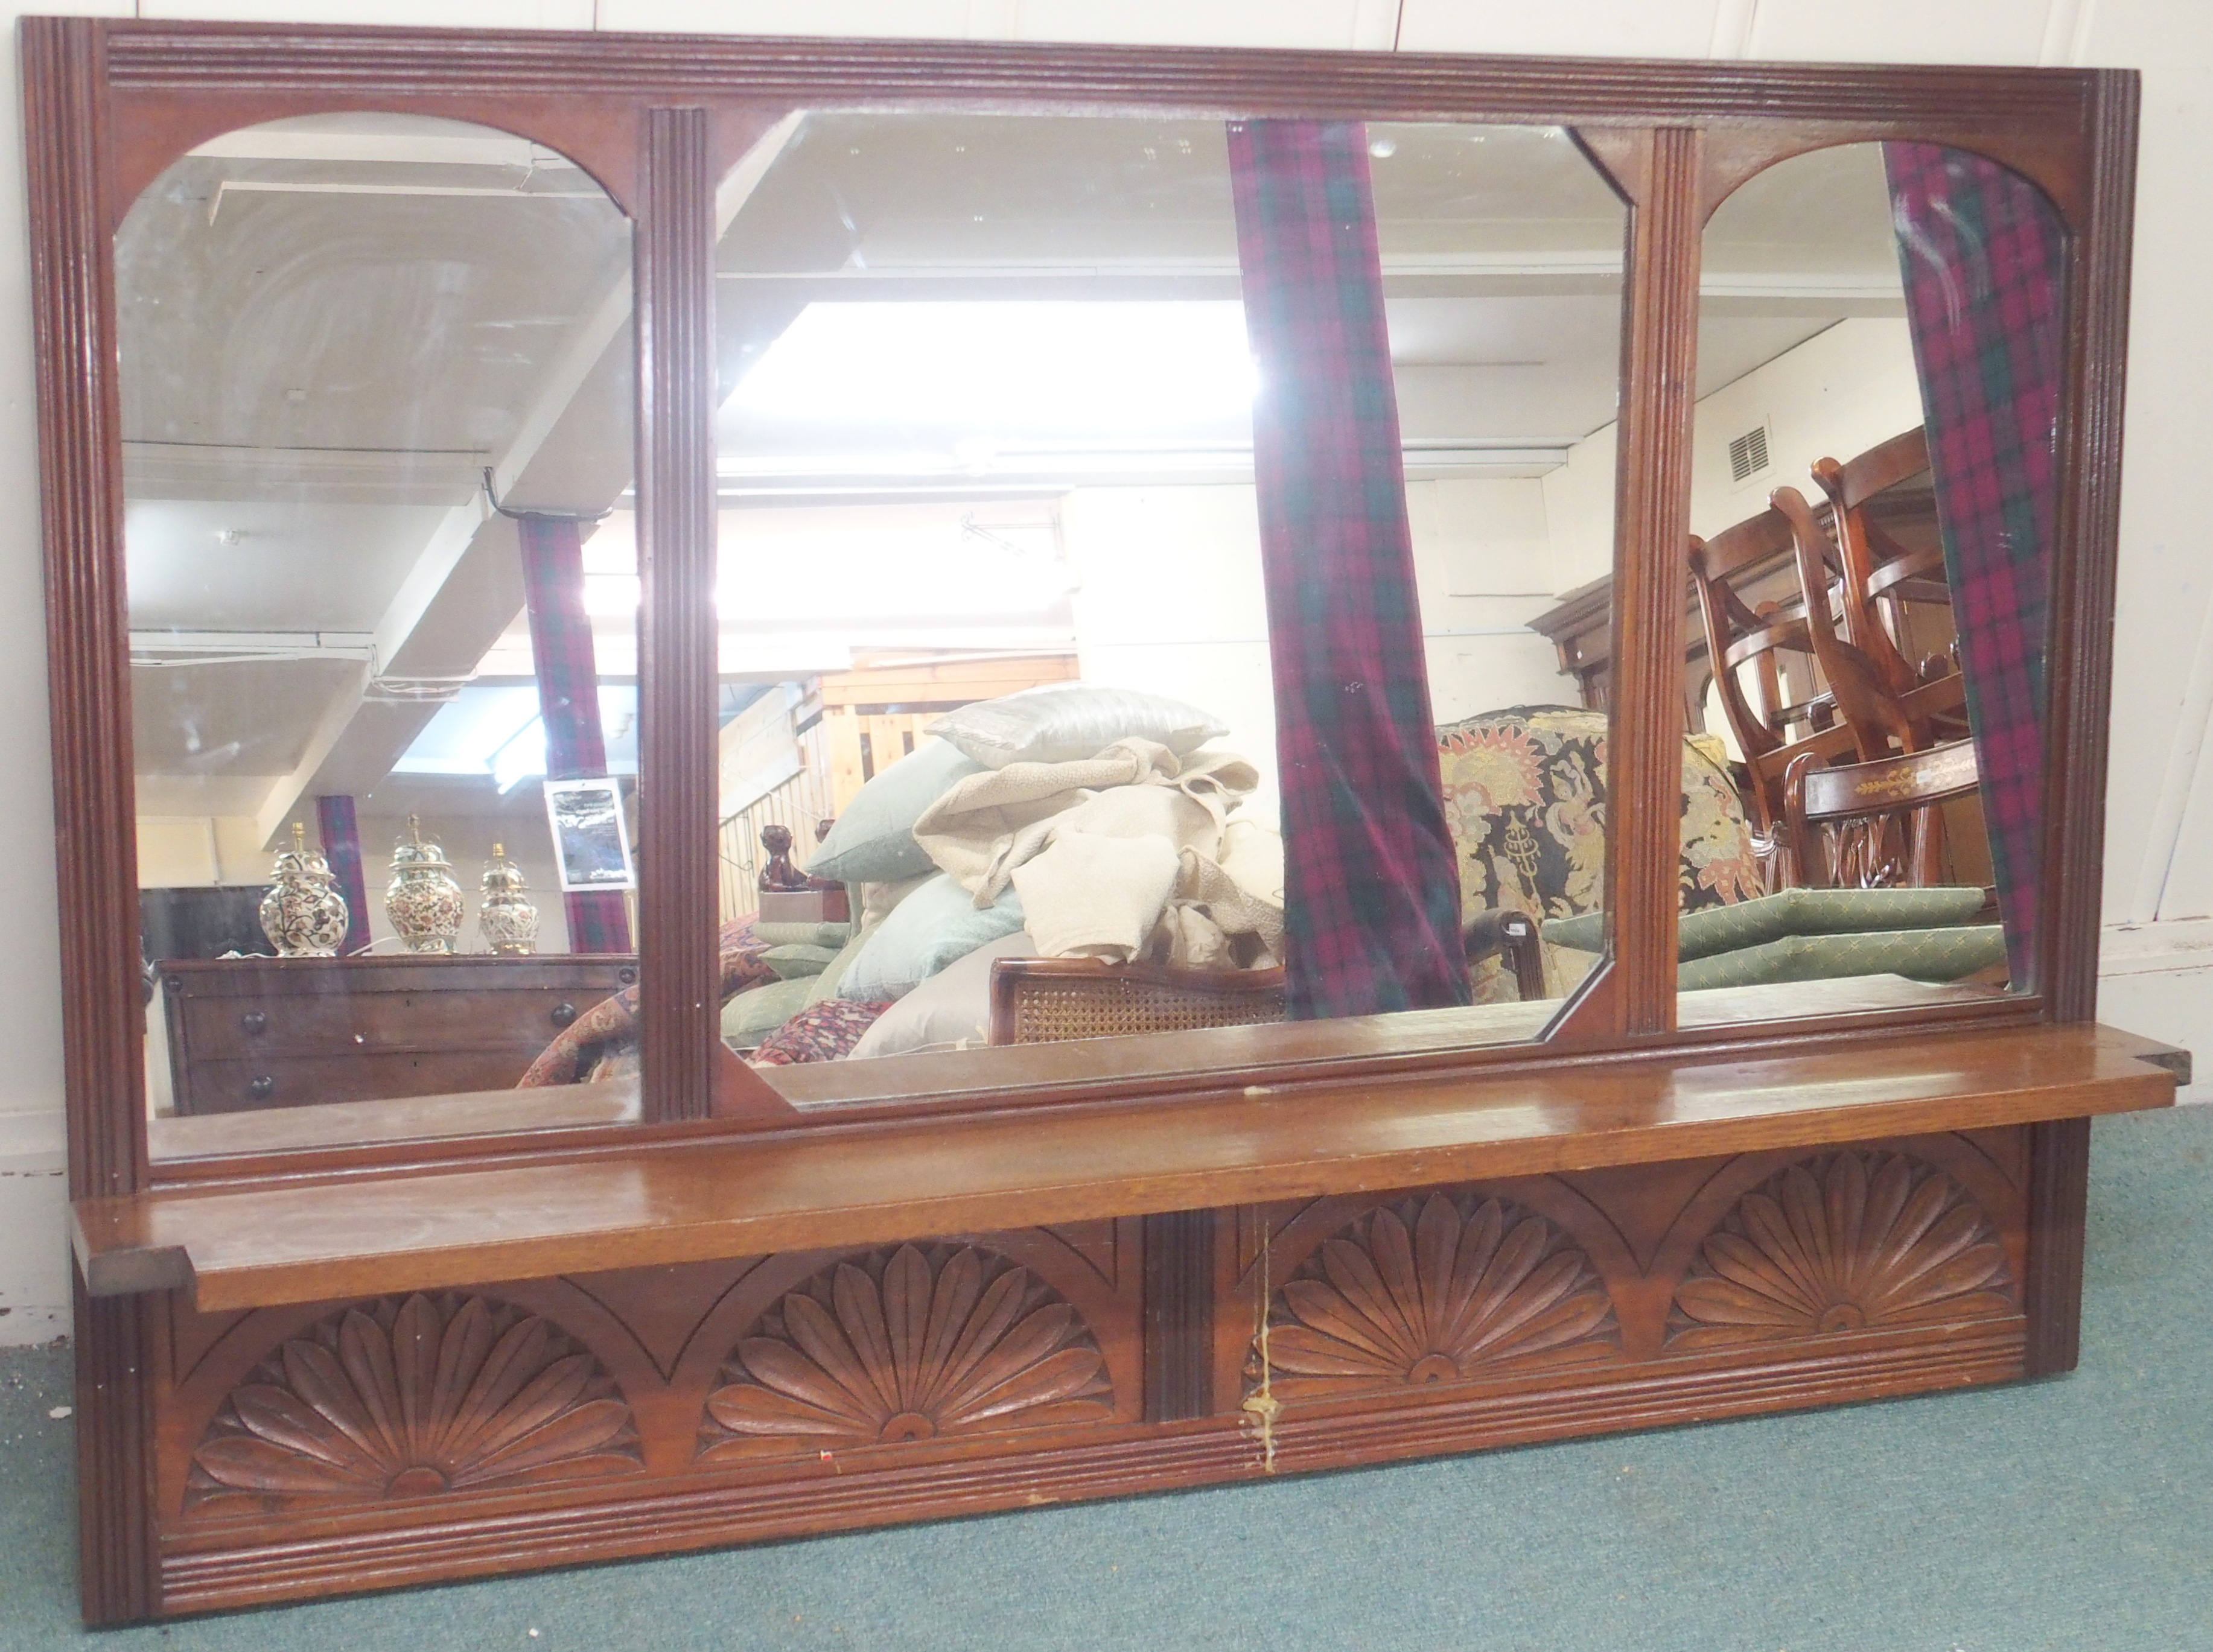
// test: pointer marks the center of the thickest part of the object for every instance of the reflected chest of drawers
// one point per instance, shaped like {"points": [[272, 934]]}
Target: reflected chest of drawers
{"points": [[248, 1032]]}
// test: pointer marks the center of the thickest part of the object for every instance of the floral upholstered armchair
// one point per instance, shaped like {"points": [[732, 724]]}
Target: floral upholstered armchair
{"points": [[1525, 796]]}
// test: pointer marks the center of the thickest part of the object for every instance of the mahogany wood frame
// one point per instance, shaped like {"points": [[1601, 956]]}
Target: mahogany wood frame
{"points": [[657, 120]]}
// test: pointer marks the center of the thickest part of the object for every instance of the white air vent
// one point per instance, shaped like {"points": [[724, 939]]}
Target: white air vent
{"points": [[1748, 454]]}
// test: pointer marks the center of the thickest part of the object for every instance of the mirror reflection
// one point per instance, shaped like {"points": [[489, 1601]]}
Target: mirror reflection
{"points": [[1124, 626], [382, 591], [1873, 506]]}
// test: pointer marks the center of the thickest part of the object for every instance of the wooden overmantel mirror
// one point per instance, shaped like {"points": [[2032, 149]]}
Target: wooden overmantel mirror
{"points": [[805, 784]]}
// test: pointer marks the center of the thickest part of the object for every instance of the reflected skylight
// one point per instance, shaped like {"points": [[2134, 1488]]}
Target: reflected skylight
{"points": [[1024, 366]]}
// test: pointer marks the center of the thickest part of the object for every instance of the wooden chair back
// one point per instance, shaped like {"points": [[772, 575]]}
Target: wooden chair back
{"points": [[1869, 706], [1772, 644], [1840, 820], [1881, 573]]}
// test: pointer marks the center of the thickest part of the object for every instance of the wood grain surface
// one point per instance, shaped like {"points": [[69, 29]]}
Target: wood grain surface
{"points": [[300, 1241]]}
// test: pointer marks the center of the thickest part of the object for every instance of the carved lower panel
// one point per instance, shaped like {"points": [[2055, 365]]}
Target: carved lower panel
{"points": [[1429, 1290], [905, 1344], [1847, 1241], [803, 1393], [1387, 1295], [396, 1398]]}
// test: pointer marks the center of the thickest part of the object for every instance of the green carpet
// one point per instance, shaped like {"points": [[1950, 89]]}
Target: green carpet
{"points": [[2076, 1513]]}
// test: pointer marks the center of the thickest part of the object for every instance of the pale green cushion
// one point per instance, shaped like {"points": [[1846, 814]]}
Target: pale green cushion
{"points": [[1934, 954], [935, 925], [826, 984], [755, 1013], [1065, 722], [872, 841], [798, 963], [1931, 954], [1793, 912]]}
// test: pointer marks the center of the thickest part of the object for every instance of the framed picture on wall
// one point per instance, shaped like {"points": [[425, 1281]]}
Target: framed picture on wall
{"points": [[591, 844]]}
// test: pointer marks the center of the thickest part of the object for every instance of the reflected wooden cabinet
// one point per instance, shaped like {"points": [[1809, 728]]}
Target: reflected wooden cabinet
{"points": [[250, 1032]]}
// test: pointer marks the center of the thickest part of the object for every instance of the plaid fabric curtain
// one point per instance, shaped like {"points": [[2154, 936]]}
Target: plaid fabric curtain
{"points": [[1982, 252], [1371, 887], [569, 699], [340, 835]]}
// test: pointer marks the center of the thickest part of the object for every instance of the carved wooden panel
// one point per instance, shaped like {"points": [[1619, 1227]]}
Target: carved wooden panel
{"points": [[395, 1398], [1431, 1289], [652, 1409], [906, 1343], [392, 1409], [1844, 1241], [1390, 1295]]}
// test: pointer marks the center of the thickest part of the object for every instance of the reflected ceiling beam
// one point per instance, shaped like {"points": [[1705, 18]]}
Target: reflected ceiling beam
{"points": [[277, 807], [463, 592], [352, 476]]}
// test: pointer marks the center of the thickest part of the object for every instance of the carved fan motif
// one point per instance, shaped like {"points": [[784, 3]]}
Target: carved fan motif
{"points": [[1432, 1290], [907, 1344], [412, 1398], [1845, 1242]]}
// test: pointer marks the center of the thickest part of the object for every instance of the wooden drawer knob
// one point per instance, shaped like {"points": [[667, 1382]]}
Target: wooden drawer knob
{"points": [[563, 1013], [261, 1087], [254, 1022]]}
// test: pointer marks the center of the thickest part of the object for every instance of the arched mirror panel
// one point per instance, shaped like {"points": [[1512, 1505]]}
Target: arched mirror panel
{"points": [[376, 380], [1873, 508]]}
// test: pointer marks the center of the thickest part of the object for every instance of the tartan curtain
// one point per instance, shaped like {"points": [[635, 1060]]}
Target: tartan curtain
{"points": [[569, 699], [340, 833], [1371, 884], [1982, 254]]}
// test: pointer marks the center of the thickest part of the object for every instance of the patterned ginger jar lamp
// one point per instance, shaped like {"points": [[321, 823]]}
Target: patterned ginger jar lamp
{"points": [[423, 900], [507, 920], [303, 914]]}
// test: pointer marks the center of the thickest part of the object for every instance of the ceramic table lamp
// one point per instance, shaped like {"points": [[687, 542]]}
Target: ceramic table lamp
{"points": [[507, 920], [423, 900], [303, 914]]}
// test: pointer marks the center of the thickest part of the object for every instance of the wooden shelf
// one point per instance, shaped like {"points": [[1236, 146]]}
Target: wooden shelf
{"points": [[307, 1241]]}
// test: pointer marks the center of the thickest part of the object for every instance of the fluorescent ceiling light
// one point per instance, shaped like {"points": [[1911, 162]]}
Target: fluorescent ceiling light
{"points": [[1008, 365]]}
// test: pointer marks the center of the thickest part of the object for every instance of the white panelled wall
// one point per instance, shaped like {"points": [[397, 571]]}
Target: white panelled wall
{"points": [[2159, 866]]}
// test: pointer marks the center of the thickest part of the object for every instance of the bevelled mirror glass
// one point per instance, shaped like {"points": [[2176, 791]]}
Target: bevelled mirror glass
{"points": [[382, 587], [1129, 533], [1874, 507]]}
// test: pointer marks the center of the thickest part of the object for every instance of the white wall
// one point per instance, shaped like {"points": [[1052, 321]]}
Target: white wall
{"points": [[2160, 819], [1838, 395], [1170, 600]]}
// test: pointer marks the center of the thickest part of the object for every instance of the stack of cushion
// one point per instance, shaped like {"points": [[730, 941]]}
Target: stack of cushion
{"points": [[1810, 935], [917, 923]]}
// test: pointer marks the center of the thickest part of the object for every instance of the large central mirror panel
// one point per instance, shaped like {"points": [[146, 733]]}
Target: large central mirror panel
{"points": [[1130, 534], [382, 583]]}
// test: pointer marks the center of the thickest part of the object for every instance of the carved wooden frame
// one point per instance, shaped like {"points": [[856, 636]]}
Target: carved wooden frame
{"points": [[657, 120]]}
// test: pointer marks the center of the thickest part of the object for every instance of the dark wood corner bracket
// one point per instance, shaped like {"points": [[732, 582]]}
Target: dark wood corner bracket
{"points": [[398, 1363]]}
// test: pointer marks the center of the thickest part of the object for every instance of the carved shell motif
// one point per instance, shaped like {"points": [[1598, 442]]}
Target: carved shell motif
{"points": [[411, 1399], [1432, 1290], [1849, 1242], [907, 1344]]}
